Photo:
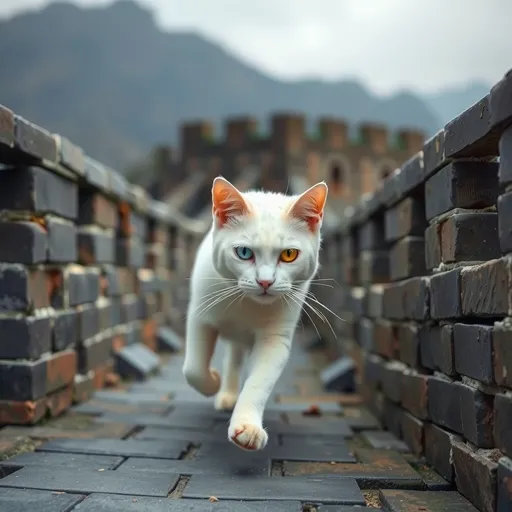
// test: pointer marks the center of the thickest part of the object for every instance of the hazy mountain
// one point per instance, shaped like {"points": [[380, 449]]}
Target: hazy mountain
{"points": [[113, 82], [449, 103]]}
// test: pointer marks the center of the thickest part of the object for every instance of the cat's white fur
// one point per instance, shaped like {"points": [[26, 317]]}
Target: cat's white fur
{"points": [[228, 303]]}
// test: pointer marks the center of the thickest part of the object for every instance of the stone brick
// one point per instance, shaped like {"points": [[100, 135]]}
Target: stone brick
{"points": [[65, 329], [407, 258], [436, 348], [413, 431], [412, 174], [385, 339], [22, 289], [32, 189], [476, 412], [373, 267], [433, 153], [131, 224], [502, 354], [136, 361], [95, 246], [414, 394], [504, 479], [445, 291], [392, 417], [28, 242], [424, 501], [82, 285], [374, 301], [93, 353], [62, 242], [502, 422], [70, 155], [60, 370], [444, 403], [111, 286], [407, 300], [505, 152], [408, 344], [484, 289], [473, 351], [405, 219], [83, 387], [475, 476], [463, 184], [129, 252], [358, 302], [505, 222], [433, 246], [88, 321], [22, 381], [22, 412], [438, 450], [59, 401], [370, 235], [24, 337], [7, 135], [391, 380], [500, 103], [97, 209], [470, 237], [469, 134], [34, 140]]}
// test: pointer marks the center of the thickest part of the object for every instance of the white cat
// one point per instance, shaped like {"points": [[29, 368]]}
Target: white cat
{"points": [[251, 275]]}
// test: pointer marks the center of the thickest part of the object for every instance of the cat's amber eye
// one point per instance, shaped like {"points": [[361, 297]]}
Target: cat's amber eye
{"points": [[289, 255]]}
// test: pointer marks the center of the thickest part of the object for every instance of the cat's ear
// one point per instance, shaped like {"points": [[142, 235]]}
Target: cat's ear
{"points": [[227, 201], [309, 207]]}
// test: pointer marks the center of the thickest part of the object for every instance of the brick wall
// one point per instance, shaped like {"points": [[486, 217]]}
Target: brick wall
{"points": [[87, 274], [426, 272]]}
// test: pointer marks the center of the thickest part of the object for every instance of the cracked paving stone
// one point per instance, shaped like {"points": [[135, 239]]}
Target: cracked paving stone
{"points": [[426, 501], [26, 500], [376, 468], [304, 426], [344, 491], [103, 503], [88, 481], [121, 447], [251, 465], [384, 440], [63, 460]]}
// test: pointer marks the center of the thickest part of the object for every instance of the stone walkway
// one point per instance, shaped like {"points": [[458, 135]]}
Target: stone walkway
{"points": [[158, 446]]}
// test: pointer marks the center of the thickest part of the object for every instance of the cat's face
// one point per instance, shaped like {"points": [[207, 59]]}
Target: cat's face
{"points": [[267, 242]]}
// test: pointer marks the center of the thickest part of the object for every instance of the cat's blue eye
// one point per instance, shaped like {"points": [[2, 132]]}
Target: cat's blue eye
{"points": [[244, 253]]}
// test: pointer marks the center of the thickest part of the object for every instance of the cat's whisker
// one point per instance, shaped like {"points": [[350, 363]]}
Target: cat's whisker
{"points": [[307, 314], [316, 301], [321, 316], [213, 301]]}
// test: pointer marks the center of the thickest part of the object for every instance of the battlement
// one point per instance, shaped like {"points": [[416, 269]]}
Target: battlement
{"points": [[287, 133]]}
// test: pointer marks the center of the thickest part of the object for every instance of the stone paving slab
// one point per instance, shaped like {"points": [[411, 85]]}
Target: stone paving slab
{"points": [[105, 503], [89, 481], [345, 491], [120, 447], [24, 500], [160, 446]]}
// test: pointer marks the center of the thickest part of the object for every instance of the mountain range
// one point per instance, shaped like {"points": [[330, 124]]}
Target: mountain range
{"points": [[113, 82]]}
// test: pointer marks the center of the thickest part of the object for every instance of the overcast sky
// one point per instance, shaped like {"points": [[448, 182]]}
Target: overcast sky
{"points": [[388, 44]]}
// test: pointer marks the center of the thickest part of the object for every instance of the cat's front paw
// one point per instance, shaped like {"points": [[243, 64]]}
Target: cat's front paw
{"points": [[248, 437], [225, 401], [207, 383]]}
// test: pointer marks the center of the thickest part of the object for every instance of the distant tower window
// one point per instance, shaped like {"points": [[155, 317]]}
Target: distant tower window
{"points": [[337, 180]]}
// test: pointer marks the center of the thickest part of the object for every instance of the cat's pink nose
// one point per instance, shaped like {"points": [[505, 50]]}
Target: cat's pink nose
{"points": [[265, 284]]}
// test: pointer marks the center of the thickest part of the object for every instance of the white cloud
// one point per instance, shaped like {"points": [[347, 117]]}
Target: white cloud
{"points": [[388, 44]]}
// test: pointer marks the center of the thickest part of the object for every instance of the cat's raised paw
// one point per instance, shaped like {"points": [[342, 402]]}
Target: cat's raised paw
{"points": [[206, 384], [248, 437], [225, 401]]}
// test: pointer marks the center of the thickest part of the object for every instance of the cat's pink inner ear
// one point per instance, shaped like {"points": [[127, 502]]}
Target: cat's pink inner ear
{"points": [[227, 201], [309, 207]]}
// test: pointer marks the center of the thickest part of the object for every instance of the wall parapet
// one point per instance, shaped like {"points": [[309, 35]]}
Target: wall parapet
{"points": [[288, 132], [89, 269], [426, 299]]}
